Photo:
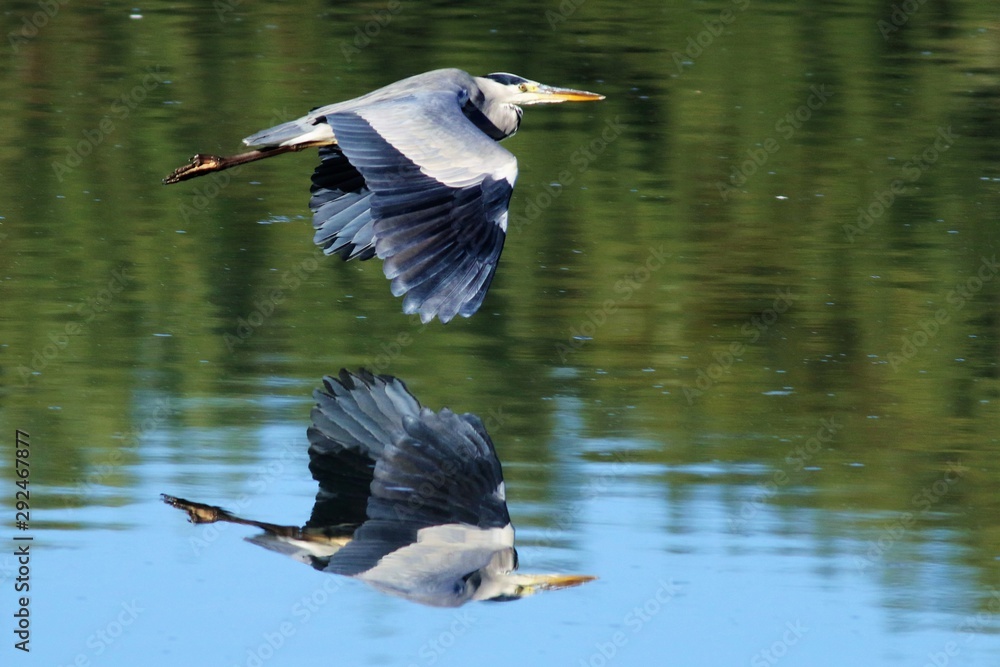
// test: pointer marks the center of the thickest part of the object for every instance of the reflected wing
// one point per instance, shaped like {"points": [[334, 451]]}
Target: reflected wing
{"points": [[355, 418], [440, 483], [434, 200]]}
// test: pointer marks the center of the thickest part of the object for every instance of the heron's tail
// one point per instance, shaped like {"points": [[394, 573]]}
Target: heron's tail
{"points": [[299, 131]]}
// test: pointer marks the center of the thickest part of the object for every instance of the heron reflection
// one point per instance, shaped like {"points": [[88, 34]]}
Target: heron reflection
{"points": [[410, 501], [412, 173]]}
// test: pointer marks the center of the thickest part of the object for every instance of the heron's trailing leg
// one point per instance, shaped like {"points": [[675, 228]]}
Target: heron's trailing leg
{"points": [[201, 513], [202, 164]]}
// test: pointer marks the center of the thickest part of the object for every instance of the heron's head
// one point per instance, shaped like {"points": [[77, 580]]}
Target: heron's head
{"points": [[506, 587], [516, 90]]}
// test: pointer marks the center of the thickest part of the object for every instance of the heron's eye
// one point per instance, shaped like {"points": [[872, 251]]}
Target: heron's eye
{"points": [[523, 87]]}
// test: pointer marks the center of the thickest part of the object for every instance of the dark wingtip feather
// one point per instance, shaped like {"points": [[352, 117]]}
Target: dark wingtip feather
{"points": [[341, 206], [435, 238]]}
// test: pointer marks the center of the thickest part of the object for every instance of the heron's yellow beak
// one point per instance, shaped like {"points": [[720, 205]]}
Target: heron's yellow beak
{"points": [[542, 94]]}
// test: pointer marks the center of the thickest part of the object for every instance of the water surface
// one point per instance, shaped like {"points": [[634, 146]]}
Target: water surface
{"points": [[740, 353]]}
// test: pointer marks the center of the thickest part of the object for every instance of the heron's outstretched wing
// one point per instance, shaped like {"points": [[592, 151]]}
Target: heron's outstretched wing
{"points": [[341, 203], [434, 200], [437, 503]]}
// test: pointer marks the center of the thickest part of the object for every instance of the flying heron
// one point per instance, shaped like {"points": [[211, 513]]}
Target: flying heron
{"points": [[410, 501], [412, 174]]}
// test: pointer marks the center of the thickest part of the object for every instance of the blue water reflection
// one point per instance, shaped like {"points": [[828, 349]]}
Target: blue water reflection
{"points": [[674, 580], [409, 500], [695, 509]]}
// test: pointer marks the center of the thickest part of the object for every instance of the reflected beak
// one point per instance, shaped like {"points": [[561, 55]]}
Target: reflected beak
{"points": [[551, 95], [533, 583]]}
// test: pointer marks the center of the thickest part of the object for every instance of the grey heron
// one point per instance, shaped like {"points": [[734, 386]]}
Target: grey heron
{"points": [[410, 501], [412, 174]]}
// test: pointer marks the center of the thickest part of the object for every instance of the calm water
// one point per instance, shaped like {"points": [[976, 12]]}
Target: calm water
{"points": [[741, 353]]}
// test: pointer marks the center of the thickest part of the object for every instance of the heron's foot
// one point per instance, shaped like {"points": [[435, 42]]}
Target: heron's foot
{"points": [[200, 164], [197, 512]]}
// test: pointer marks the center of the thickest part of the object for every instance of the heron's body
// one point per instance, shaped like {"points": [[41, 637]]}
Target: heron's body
{"points": [[410, 501], [412, 173], [433, 92]]}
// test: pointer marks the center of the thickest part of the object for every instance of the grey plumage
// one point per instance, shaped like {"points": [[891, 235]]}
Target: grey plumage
{"points": [[410, 501], [412, 174]]}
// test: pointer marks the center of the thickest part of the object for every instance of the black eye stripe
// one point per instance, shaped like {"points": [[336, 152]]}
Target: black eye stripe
{"points": [[506, 79]]}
